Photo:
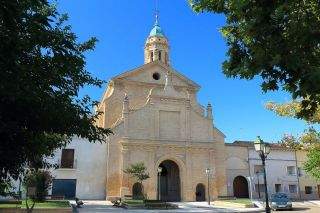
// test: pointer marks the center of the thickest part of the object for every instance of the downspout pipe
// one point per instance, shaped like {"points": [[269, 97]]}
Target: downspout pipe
{"points": [[298, 174]]}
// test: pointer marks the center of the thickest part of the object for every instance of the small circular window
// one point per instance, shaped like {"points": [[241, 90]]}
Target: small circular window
{"points": [[156, 76]]}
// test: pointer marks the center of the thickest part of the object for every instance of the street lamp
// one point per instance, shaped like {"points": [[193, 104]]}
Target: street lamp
{"points": [[159, 173], [263, 150], [208, 174]]}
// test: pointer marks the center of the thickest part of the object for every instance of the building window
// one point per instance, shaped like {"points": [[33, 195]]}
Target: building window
{"points": [[258, 169], [67, 158], [291, 170], [159, 55], [293, 188], [277, 187], [308, 189], [151, 56], [156, 76]]}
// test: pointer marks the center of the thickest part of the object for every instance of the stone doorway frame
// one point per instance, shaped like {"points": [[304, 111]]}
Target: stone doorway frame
{"points": [[182, 173], [237, 188]]}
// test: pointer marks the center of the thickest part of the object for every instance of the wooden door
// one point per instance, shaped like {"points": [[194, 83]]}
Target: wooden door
{"points": [[240, 187]]}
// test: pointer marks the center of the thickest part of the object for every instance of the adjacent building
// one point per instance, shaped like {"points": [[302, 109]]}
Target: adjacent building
{"points": [[283, 168], [309, 188], [81, 170]]}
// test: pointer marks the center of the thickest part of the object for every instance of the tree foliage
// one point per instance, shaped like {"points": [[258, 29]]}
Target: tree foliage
{"points": [[312, 165], [309, 140], [293, 109], [5, 188], [42, 69], [276, 40], [138, 171], [311, 137], [41, 181], [37, 184]]}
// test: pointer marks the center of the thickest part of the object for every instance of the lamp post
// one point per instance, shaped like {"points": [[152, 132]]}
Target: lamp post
{"points": [[159, 173], [263, 149], [208, 175]]}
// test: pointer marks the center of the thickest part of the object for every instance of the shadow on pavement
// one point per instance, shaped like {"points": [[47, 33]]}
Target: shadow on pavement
{"points": [[296, 209]]}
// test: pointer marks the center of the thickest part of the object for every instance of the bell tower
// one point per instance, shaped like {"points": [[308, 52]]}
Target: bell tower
{"points": [[156, 47]]}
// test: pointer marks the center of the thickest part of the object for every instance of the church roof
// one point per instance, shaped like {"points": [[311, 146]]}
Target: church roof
{"points": [[141, 68], [251, 144], [156, 31]]}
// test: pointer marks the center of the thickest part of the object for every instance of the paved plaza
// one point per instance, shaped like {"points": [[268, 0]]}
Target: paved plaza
{"points": [[106, 206]]}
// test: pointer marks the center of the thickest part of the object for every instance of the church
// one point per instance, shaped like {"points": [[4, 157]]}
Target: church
{"points": [[156, 119]]}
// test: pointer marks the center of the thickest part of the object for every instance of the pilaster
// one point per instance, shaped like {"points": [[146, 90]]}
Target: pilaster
{"points": [[124, 189], [125, 116]]}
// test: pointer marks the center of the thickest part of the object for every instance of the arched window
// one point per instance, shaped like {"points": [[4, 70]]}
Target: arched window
{"points": [[159, 55], [151, 56], [137, 191]]}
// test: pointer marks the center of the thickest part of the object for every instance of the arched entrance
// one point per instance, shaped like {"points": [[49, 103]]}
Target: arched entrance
{"points": [[200, 192], [240, 187], [137, 191], [169, 181]]}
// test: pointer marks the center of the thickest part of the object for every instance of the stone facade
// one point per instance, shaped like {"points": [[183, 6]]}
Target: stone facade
{"points": [[154, 113]]}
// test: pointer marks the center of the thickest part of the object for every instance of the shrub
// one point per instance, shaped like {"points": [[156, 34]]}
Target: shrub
{"points": [[37, 184]]}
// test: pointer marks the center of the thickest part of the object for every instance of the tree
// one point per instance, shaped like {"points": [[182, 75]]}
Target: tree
{"points": [[293, 109], [312, 165], [138, 171], [5, 188], [42, 69], [276, 40], [37, 184]]}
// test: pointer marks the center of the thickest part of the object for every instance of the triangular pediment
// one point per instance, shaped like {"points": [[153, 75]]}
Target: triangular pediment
{"points": [[145, 74]]}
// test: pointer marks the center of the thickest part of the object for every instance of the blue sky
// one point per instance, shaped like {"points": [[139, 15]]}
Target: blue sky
{"points": [[197, 51]]}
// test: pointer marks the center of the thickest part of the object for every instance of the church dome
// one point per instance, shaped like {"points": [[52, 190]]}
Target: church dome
{"points": [[156, 31]]}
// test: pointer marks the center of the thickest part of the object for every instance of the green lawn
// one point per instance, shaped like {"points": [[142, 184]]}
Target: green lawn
{"points": [[239, 200], [9, 205], [46, 204], [134, 202]]}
